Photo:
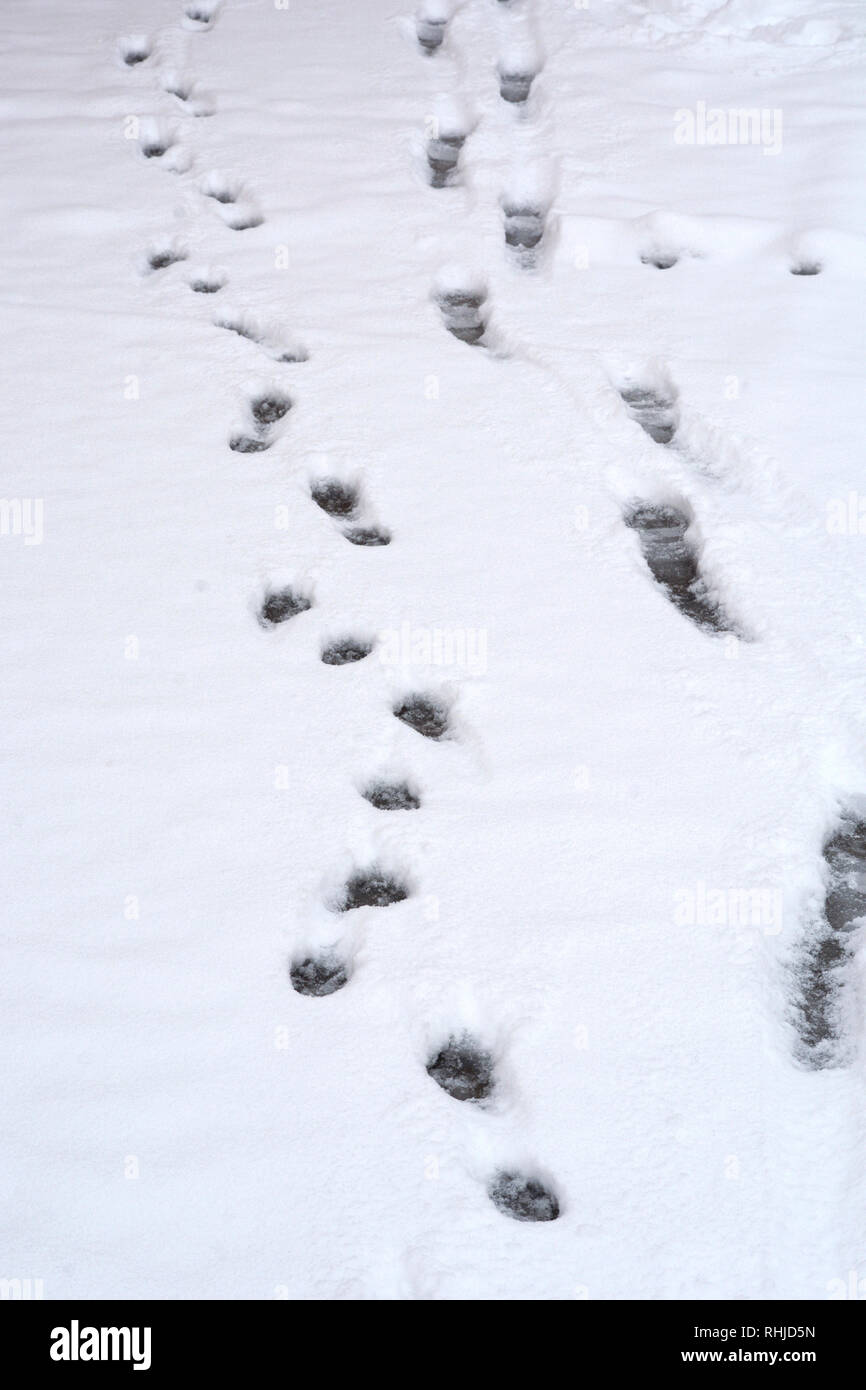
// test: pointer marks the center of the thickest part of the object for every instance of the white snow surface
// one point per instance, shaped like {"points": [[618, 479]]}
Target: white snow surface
{"points": [[181, 788]]}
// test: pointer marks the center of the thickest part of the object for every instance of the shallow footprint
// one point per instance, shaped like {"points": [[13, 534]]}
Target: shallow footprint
{"points": [[392, 796], [430, 33], [443, 157], [367, 535], [514, 87], [463, 315], [463, 1069], [318, 975], [807, 268], [135, 49], [282, 604], [524, 226], [523, 1198]]}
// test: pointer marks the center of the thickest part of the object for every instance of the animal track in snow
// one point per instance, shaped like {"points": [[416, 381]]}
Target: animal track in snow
{"points": [[182, 86], [346, 650], [222, 189], [156, 139], [523, 1198], [318, 975], [246, 326], [463, 1069], [372, 887], [821, 976], [367, 535], [392, 796], [135, 49], [266, 409], [207, 281], [280, 605], [662, 260], [425, 715], [807, 268], [655, 410], [164, 254], [200, 14], [430, 25], [673, 563]]}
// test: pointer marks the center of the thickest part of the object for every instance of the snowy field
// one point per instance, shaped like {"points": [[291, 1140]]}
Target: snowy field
{"points": [[509, 357]]}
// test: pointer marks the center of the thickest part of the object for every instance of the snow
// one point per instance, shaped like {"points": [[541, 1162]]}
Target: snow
{"points": [[183, 784]]}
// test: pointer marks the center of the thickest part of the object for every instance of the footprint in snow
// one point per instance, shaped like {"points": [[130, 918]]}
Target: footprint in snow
{"points": [[367, 535], [392, 796], [344, 651], [443, 157], [821, 976], [430, 30], [319, 975], [183, 87], [246, 326], [807, 268], [200, 14], [207, 281], [373, 887], [337, 498], [662, 260], [515, 86], [463, 1069], [673, 562], [135, 49], [427, 716], [524, 229], [163, 254], [523, 1198], [279, 605], [462, 312], [654, 409], [266, 410], [156, 139]]}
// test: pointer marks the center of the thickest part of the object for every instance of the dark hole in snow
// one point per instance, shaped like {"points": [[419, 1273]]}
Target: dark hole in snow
{"points": [[335, 497], [524, 227], [392, 796], [158, 260], [372, 888], [430, 33], [155, 149], [461, 312], [524, 1199], [282, 604], [807, 268], [134, 55], [654, 412], [318, 975], [206, 286], [426, 716], [443, 156], [346, 650], [181, 90], [201, 14], [266, 410], [673, 563], [248, 444], [661, 260], [463, 1069], [514, 86], [367, 535], [294, 355], [221, 195]]}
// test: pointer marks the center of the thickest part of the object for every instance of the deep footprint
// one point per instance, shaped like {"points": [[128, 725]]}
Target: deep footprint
{"points": [[372, 888], [662, 260], [463, 1069], [821, 976], [206, 286], [515, 86], [424, 715], [522, 1198], [318, 975], [673, 563], [160, 260], [249, 444], [392, 796], [345, 651], [430, 33], [524, 227], [335, 497], [282, 604], [463, 316], [136, 50], [367, 535], [807, 268], [443, 157], [268, 409], [655, 412]]}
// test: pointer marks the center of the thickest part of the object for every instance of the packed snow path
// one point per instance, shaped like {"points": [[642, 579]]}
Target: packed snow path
{"points": [[549, 866]]}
